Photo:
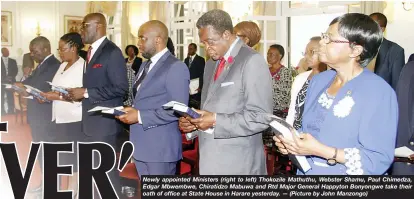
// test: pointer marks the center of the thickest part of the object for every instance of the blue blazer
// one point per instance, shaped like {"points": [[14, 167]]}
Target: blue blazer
{"points": [[158, 138], [41, 114], [370, 127], [390, 61], [105, 78]]}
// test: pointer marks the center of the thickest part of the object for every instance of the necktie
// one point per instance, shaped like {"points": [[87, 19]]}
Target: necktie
{"points": [[141, 78], [190, 60], [220, 68], [88, 56]]}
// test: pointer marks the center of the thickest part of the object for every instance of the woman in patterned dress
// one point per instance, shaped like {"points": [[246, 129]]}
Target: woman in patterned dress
{"points": [[301, 83], [349, 124], [282, 80]]}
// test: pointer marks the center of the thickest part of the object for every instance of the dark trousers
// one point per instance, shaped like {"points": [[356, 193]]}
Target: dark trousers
{"points": [[42, 132], [114, 174]]}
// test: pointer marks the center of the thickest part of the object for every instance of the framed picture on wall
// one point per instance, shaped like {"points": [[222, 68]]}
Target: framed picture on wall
{"points": [[6, 28], [72, 24]]}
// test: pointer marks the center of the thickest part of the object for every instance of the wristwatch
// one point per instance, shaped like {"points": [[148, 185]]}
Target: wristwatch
{"points": [[332, 161]]}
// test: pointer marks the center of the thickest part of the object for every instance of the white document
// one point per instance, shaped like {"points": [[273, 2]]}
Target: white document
{"points": [[194, 85], [171, 104], [284, 128], [403, 152], [7, 85], [102, 108], [33, 88]]}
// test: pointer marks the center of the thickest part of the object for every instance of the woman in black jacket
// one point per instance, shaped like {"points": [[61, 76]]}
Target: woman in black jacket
{"points": [[132, 60]]}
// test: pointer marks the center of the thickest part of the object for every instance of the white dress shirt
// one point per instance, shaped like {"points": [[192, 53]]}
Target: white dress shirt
{"points": [[296, 87], [154, 60], [192, 60], [226, 57], [47, 57], [6, 63], [95, 45], [68, 112]]}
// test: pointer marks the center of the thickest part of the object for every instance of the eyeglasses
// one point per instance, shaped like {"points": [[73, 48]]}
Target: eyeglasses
{"points": [[84, 24], [61, 50], [327, 39]]}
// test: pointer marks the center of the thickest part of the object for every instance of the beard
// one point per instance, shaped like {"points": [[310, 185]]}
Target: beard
{"points": [[150, 53]]}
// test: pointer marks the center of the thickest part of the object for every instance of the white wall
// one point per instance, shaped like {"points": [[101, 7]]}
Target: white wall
{"points": [[302, 29], [401, 28], [49, 14]]}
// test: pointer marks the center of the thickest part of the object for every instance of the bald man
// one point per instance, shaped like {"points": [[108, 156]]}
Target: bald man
{"points": [[163, 78], [105, 84], [8, 75]]}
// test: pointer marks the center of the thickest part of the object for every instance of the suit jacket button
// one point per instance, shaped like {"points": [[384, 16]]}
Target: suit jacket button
{"points": [[412, 143]]}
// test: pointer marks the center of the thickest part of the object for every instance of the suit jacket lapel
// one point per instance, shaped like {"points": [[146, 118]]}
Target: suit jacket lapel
{"points": [[383, 48], [97, 53], [154, 69], [43, 66], [215, 85]]}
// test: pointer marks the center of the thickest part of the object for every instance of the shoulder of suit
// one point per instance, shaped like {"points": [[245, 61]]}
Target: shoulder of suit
{"points": [[393, 45]]}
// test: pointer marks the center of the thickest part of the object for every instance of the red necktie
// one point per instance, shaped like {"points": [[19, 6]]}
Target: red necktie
{"points": [[88, 56], [220, 68]]}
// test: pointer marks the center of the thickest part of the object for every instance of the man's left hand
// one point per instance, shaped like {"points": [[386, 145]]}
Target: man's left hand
{"points": [[130, 116], [206, 121], [76, 94]]}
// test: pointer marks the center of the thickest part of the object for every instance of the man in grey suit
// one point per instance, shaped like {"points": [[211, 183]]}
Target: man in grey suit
{"points": [[235, 101]]}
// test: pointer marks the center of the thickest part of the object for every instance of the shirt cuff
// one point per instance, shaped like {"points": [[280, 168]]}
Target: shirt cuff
{"points": [[85, 94], [211, 129], [139, 118]]}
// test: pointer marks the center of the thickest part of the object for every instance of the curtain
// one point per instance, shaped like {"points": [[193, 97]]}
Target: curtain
{"points": [[125, 27], [369, 7], [106, 7], [211, 5], [159, 11]]}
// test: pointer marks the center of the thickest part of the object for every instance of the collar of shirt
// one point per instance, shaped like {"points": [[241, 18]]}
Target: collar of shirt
{"points": [[95, 45], [5, 59], [47, 57], [227, 55], [192, 57], [156, 57]]}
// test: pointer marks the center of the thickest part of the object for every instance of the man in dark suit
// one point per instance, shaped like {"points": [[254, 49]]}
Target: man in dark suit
{"points": [[39, 114], [405, 132], [411, 58], [196, 65], [8, 76], [163, 78], [390, 59], [104, 84]]}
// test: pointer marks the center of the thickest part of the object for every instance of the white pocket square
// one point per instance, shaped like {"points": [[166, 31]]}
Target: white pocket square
{"points": [[226, 84]]}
